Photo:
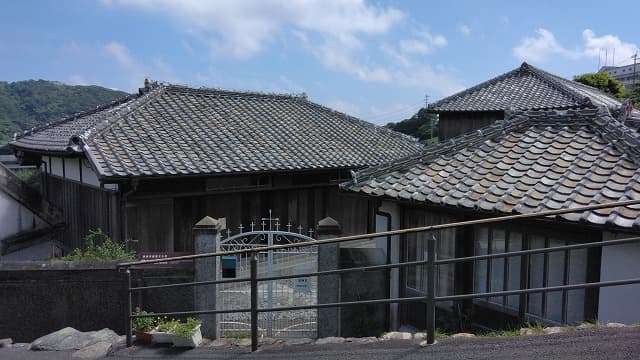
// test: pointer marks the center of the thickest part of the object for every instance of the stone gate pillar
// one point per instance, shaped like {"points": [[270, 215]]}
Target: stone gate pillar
{"points": [[328, 285], [206, 237]]}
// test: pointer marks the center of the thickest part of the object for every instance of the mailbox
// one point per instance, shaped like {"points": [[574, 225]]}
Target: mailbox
{"points": [[229, 264]]}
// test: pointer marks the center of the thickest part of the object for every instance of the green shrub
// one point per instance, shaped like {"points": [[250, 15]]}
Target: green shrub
{"points": [[165, 325], [187, 329], [105, 249], [144, 324]]}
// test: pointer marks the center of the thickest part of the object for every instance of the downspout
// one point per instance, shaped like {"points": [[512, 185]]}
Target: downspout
{"points": [[123, 208], [388, 261]]}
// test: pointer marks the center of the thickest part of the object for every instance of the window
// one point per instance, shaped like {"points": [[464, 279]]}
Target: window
{"points": [[549, 269], [416, 250], [497, 274]]}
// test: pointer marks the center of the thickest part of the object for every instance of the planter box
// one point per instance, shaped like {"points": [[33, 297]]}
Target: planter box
{"points": [[143, 336], [193, 341], [162, 337]]}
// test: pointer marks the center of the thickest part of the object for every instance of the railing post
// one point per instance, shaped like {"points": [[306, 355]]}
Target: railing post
{"points": [[431, 290], [328, 285], [254, 302], [206, 237], [129, 321]]}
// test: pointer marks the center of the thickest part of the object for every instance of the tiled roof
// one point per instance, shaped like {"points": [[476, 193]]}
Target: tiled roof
{"points": [[171, 130], [527, 88], [535, 161]]}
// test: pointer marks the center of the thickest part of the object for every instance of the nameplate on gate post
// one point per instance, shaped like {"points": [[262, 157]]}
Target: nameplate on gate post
{"points": [[302, 284]]}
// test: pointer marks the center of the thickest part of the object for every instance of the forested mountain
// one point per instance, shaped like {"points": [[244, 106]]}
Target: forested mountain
{"points": [[422, 125], [25, 104]]}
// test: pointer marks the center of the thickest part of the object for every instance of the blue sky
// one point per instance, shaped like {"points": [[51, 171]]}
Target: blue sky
{"points": [[374, 60]]}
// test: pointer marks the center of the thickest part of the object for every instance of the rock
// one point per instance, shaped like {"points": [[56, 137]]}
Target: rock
{"points": [[365, 340], [419, 336], [330, 340], [95, 351], [269, 341], [424, 343], [584, 326], [615, 325], [394, 335], [300, 341], [553, 330], [244, 342], [528, 331], [463, 335], [72, 339], [6, 343]]}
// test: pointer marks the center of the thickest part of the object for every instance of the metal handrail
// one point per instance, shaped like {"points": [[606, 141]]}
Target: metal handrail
{"points": [[431, 263], [392, 232]]}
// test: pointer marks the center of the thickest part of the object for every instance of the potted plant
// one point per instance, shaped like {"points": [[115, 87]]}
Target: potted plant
{"points": [[143, 325], [163, 333], [187, 334]]}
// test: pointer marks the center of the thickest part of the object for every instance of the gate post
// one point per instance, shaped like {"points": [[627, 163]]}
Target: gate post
{"points": [[206, 237], [328, 285]]}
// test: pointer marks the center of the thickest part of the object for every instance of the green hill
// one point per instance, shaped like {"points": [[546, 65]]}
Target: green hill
{"points": [[25, 104]]}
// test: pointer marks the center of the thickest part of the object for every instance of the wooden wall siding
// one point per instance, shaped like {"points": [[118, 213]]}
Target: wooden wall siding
{"points": [[83, 208], [457, 123], [150, 225], [303, 207]]}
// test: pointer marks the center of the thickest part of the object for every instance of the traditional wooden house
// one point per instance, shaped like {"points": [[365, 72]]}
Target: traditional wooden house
{"points": [[29, 222], [532, 161], [149, 166], [524, 88]]}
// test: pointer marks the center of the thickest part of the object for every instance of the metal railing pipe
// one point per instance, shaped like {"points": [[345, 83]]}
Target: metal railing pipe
{"points": [[542, 289], [539, 251], [393, 232]]}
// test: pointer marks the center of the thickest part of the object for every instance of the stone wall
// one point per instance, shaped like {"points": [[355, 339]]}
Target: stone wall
{"points": [[39, 298]]}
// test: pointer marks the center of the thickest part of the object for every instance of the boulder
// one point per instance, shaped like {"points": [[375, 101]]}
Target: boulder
{"points": [[95, 351], [72, 339], [6, 343], [553, 330], [528, 331], [330, 340], [463, 335], [395, 335], [615, 325]]}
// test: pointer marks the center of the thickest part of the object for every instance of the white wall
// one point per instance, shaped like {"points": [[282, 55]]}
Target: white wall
{"points": [[381, 225], [15, 217], [619, 303], [73, 170]]}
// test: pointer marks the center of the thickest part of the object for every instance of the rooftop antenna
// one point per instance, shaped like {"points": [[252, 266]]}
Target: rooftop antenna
{"points": [[635, 76], [613, 61]]}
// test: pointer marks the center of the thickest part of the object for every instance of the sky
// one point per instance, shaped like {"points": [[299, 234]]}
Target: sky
{"points": [[376, 60]]}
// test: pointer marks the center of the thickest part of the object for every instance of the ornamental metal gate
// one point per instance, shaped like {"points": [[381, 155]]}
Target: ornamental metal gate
{"points": [[273, 293]]}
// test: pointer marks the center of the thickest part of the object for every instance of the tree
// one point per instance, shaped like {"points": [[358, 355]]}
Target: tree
{"points": [[602, 81], [634, 95], [422, 125]]}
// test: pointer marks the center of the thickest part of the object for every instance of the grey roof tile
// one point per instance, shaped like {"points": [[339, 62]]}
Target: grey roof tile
{"points": [[527, 88], [172, 130], [588, 165]]}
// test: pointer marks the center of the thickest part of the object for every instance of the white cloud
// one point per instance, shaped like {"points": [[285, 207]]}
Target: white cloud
{"points": [[594, 45], [344, 106], [539, 48], [242, 28], [340, 33], [464, 30], [545, 45]]}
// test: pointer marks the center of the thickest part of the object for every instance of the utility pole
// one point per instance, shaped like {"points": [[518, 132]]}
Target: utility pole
{"points": [[431, 124]]}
